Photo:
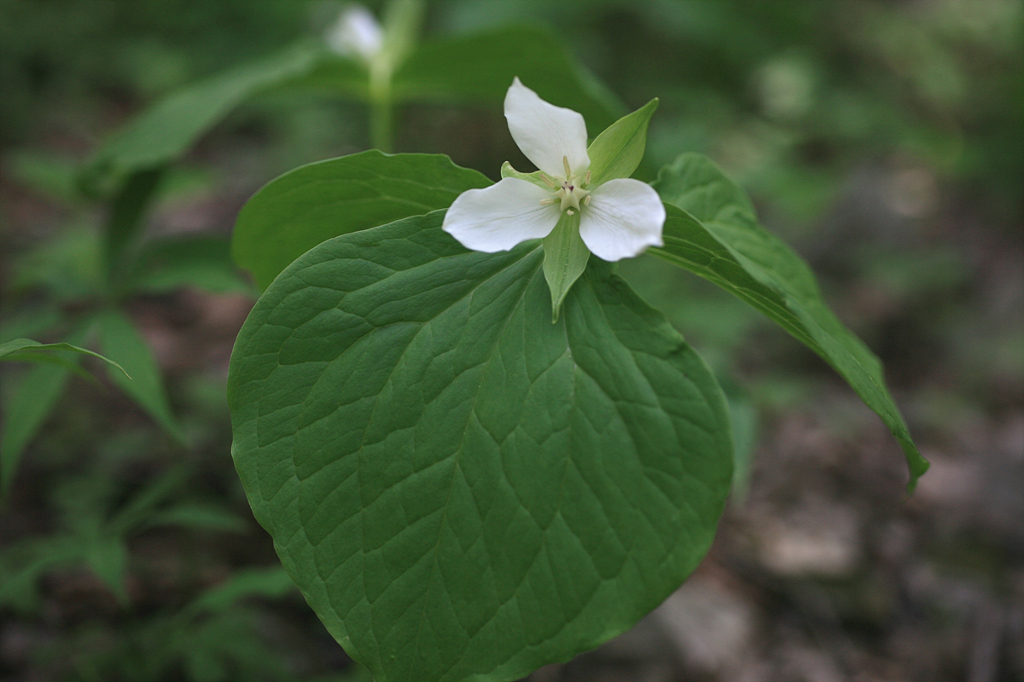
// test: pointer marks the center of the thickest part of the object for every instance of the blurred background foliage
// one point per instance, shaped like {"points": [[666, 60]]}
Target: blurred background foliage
{"points": [[883, 139]]}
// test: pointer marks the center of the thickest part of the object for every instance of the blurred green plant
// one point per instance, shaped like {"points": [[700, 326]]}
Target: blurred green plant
{"points": [[464, 68], [216, 636], [129, 171], [96, 535], [86, 278]]}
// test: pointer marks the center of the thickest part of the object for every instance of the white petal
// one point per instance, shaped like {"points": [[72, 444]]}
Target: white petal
{"points": [[624, 217], [498, 217], [545, 133], [356, 33]]}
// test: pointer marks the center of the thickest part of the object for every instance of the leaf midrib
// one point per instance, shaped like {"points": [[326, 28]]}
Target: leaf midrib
{"points": [[458, 453]]}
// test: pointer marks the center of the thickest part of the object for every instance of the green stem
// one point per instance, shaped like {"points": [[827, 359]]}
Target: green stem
{"points": [[380, 125], [381, 106]]}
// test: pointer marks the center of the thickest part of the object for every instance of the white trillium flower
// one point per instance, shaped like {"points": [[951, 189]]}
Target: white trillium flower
{"points": [[356, 33], [618, 218]]}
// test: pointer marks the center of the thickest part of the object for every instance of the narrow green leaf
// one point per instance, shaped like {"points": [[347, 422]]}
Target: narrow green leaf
{"points": [[25, 411], [126, 219], [565, 259], [173, 124], [481, 66], [744, 418], [69, 267], [119, 339], [23, 564], [617, 151], [17, 349], [107, 556], [203, 262], [689, 244], [253, 582], [140, 509], [313, 203], [27, 407], [45, 173], [712, 230], [197, 516], [329, 75], [46, 359], [36, 321], [460, 488]]}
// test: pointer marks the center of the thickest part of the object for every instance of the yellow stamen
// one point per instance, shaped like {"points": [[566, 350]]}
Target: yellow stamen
{"points": [[549, 181], [565, 163]]}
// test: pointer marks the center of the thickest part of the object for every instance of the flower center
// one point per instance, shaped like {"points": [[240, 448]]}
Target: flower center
{"points": [[571, 192]]}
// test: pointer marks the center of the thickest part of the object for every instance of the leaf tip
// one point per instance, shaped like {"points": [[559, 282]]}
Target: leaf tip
{"points": [[918, 467]]}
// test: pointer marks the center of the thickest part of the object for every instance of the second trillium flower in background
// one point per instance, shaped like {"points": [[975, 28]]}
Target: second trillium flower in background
{"points": [[617, 218], [356, 33]]}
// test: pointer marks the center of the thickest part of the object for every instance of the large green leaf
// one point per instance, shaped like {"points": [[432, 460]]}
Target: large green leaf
{"points": [[300, 209], [482, 65], [713, 231], [462, 489]]}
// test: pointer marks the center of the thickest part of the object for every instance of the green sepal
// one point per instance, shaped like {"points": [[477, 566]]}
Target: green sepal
{"points": [[617, 151], [565, 259], [536, 177]]}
